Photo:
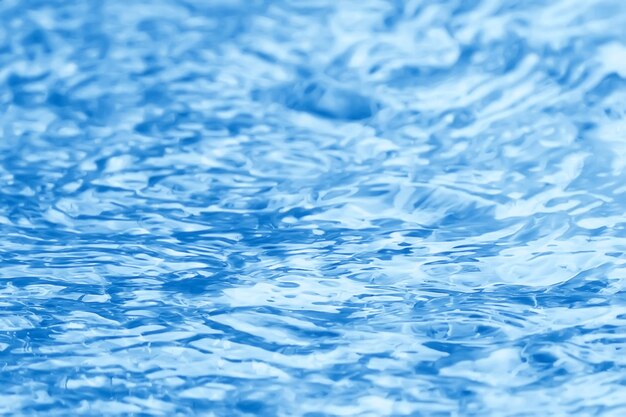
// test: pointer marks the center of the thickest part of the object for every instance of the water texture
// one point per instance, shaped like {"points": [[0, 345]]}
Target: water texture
{"points": [[313, 208]]}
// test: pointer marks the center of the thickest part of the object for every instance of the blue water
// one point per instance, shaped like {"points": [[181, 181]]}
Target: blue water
{"points": [[313, 208]]}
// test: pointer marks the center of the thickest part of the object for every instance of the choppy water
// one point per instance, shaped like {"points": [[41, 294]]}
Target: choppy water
{"points": [[313, 208]]}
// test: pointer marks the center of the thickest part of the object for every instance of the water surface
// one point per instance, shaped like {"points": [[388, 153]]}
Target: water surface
{"points": [[313, 208]]}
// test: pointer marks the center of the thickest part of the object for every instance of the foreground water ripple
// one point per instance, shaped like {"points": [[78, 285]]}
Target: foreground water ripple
{"points": [[321, 208]]}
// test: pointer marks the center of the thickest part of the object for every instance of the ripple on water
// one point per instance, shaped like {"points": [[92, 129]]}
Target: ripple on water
{"points": [[322, 98]]}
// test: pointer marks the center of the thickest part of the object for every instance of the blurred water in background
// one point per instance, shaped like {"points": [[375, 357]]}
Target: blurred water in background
{"points": [[313, 208]]}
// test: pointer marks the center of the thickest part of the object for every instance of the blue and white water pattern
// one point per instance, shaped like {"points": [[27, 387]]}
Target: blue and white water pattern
{"points": [[313, 208]]}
